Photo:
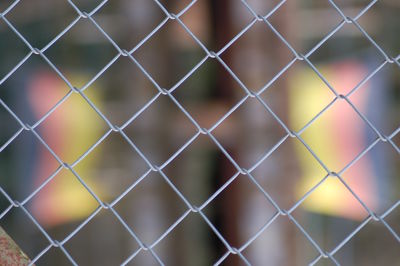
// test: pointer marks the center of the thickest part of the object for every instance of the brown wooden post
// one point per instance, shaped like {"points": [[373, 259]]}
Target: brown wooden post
{"points": [[228, 213]]}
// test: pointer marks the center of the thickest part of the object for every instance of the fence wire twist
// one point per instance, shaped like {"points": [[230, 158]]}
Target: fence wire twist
{"points": [[167, 92]]}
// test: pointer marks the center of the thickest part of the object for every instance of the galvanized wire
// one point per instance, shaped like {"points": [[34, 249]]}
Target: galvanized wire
{"points": [[209, 132]]}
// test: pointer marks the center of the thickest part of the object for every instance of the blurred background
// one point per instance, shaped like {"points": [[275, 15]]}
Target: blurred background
{"points": [[250, 134]]}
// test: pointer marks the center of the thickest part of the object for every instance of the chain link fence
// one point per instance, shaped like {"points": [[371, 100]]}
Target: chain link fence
{"points": [[166, 93]]}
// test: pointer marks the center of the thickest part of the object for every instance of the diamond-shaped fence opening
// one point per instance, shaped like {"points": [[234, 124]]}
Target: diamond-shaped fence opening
{"points": [[230, 132]]}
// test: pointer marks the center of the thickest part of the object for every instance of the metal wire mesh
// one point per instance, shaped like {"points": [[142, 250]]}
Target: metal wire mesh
{"points": [[208, 132]]}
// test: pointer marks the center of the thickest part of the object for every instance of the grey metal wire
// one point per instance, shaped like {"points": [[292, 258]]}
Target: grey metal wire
{"points": [[167, 92]]}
